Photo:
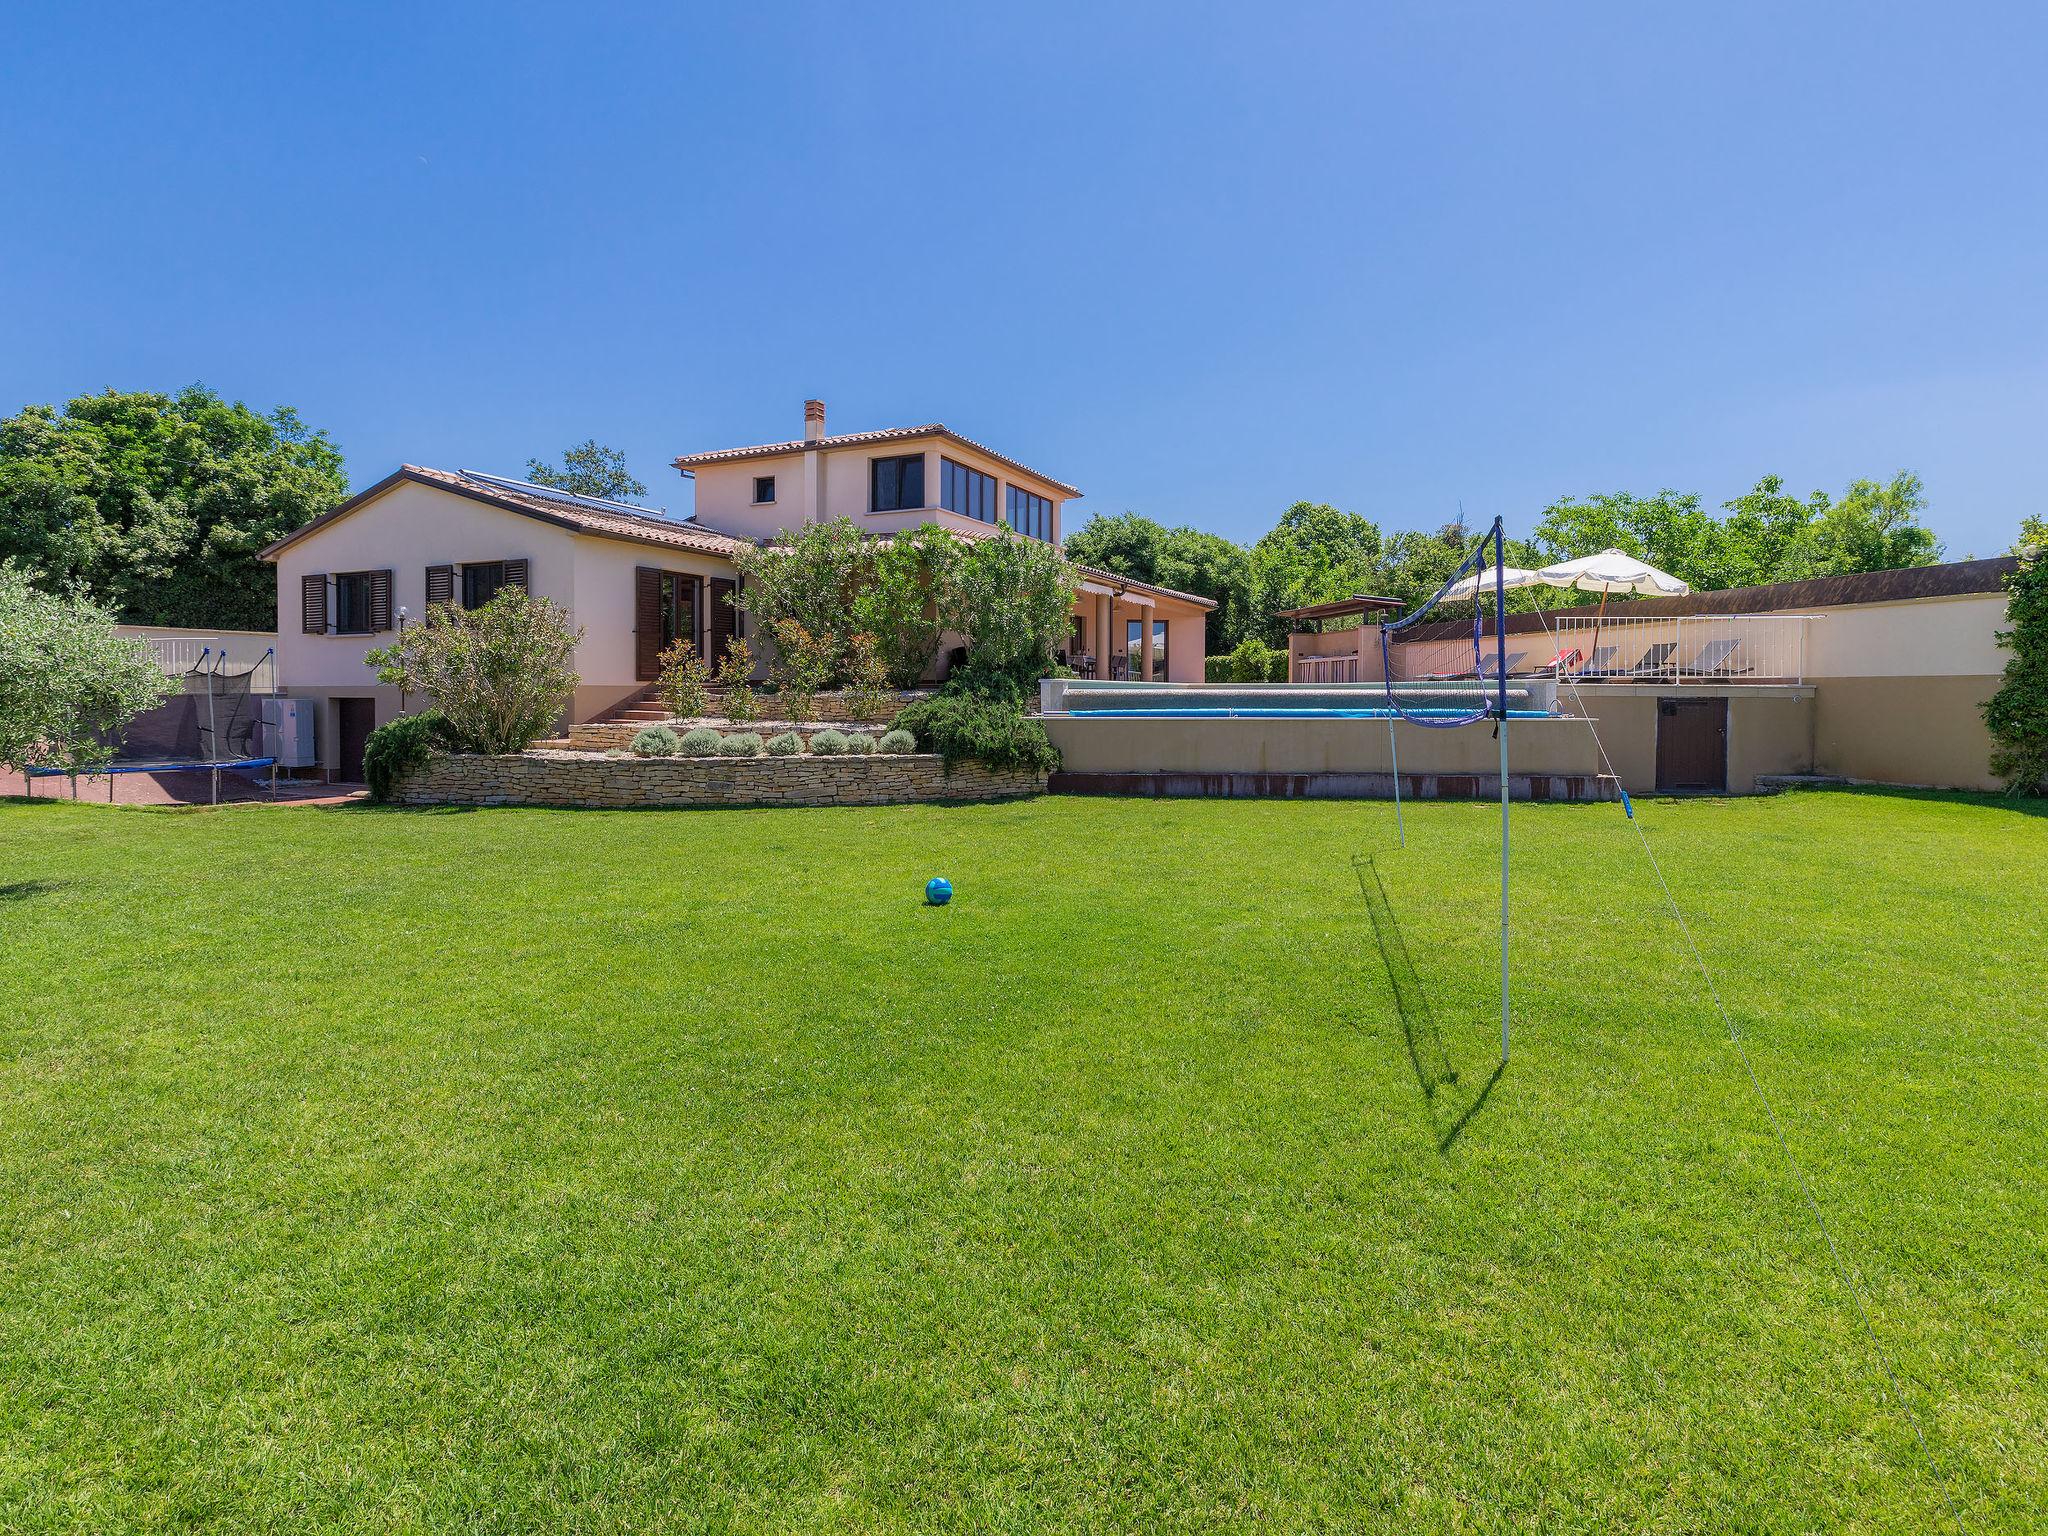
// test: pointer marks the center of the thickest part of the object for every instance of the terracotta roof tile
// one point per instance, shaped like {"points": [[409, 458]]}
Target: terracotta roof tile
{"points": [[855, 440], [577, 514]]}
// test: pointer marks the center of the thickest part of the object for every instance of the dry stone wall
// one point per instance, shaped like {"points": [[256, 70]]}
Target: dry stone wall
{"points": [[584, 779]]}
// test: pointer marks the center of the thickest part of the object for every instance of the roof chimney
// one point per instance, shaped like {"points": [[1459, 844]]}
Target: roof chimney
{"points": [[814, 420]]}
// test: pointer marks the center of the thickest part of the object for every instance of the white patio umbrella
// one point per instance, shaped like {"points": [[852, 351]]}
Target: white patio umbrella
{"points": [[1512, 576], [1612, 570]]}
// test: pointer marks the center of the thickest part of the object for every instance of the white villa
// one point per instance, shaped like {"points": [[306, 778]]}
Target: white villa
{"points": [[636, 580]]}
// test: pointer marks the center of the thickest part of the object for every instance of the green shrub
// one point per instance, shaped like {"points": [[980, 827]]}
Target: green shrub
{"points": [[867, 682], [803, 665], [788, 744], [742, 744], [989, 727], [685, 685], [399, 747], [898, 741], [701, 742], [828, 743], [2017, 715], [656, 741], [735, 675], [499, 674], [1252, 662], [859, 743]]}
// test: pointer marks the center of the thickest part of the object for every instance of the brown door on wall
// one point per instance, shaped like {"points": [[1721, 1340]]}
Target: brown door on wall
{"points": [[1692, 746], [354, 719]]}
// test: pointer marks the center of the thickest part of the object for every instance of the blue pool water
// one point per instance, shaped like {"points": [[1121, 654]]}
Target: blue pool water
{"points": [[1297, 701]]}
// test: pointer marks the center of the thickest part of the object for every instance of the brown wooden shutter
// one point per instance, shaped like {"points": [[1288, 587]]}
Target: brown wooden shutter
{"points": [[380, 602], [440, 584], [313, 600], [646, 623], [515, 574], [725, 619]]}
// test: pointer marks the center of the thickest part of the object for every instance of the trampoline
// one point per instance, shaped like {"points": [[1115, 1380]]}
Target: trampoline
{"points": [[110, 771]]}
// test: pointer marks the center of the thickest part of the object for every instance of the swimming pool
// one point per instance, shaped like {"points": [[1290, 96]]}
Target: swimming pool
{"points": [[1527, 700]]}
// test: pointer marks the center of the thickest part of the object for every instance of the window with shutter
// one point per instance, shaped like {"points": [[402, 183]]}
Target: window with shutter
{"points": [[440, 584], [646, 623], [313, 602], [380, 601], [515, 574]]}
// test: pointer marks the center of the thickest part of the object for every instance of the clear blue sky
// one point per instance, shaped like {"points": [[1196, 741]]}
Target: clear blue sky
{"points": [[1201, 261]]}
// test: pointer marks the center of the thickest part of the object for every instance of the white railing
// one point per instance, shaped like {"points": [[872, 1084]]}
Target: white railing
{"points": [[180, 655], [1326, 669], [1703, 648]]}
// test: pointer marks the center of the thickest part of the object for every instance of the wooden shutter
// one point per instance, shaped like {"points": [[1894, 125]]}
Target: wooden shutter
{"points": [[313, 600], [646, 623], [725, 619], [440, 584], [515, 574], [380, 602]]}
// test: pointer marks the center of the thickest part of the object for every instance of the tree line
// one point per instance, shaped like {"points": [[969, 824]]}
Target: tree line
{"points": [[1318, 553], [157, 504]]}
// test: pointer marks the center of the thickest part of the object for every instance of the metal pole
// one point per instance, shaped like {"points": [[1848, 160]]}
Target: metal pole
{"points": [[1500, 628], [1395, 752]]}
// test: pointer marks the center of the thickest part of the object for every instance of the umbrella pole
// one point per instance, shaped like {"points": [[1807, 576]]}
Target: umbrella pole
{"points": [[1602, 614]]}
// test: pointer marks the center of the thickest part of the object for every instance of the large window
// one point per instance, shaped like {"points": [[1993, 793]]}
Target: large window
{"points": [[896, 485], [480, 583], [1030, 515], [967, 491], [352, 604]]}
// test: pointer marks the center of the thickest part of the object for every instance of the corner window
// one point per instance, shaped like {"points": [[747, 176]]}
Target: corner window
{"points": [[764, 489], [967, 491], [1030, 515], [896, 485], [480, 583], [352, 604]]}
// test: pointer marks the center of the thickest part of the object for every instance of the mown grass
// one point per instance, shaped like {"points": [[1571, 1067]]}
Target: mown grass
{"points": [[517, 1170]]}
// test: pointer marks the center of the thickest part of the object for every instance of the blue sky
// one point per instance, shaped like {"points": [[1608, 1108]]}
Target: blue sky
{"points": [[1201, 261]]}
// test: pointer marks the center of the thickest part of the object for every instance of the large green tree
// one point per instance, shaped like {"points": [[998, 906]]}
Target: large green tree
{"points": [[1314, 554], [1767, 535], [157, 504], [1185, 559], [588, 469]]}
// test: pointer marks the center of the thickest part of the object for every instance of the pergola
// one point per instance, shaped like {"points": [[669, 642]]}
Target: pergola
{"points": [[1319, 664]]}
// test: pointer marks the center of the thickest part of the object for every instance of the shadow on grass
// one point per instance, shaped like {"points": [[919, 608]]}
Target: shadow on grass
{"points": [[22, 890], [1432, 1063]]}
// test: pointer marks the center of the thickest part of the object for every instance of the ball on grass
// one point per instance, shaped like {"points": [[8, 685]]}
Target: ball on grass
{"points": [[938, 890]]}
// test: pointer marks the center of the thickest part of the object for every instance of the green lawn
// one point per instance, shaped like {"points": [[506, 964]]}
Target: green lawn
{"points": [[520, 1170]]}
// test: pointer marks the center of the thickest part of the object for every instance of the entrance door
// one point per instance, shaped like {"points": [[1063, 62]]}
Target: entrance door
{"points": [[1692, 746], [664, 611], [354, 719]]}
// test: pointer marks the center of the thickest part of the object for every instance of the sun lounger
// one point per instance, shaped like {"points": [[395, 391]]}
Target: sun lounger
{"points": [[1713, 661], [1650, 664], [1562, 662], [1487, 669]]}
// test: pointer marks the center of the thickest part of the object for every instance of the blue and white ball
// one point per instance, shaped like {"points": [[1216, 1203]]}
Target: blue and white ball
{"points": [[938, 890]]}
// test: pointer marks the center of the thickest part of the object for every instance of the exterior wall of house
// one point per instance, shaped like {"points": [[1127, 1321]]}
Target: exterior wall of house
{"points": [[414, 526], [836, 481]]}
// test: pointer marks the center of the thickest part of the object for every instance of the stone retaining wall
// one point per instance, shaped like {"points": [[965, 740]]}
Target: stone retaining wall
{"points": [[828, 709], [585, 779]]}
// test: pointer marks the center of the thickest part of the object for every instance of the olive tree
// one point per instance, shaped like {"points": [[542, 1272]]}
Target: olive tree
{"points": [[68, 682], [499, 674]]}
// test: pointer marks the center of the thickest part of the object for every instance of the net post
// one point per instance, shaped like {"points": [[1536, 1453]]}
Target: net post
{"points": [[1500, 636], [1394, 752]]}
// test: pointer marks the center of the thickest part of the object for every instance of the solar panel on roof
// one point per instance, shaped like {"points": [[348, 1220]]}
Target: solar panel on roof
{"points": [[571, 498]]}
